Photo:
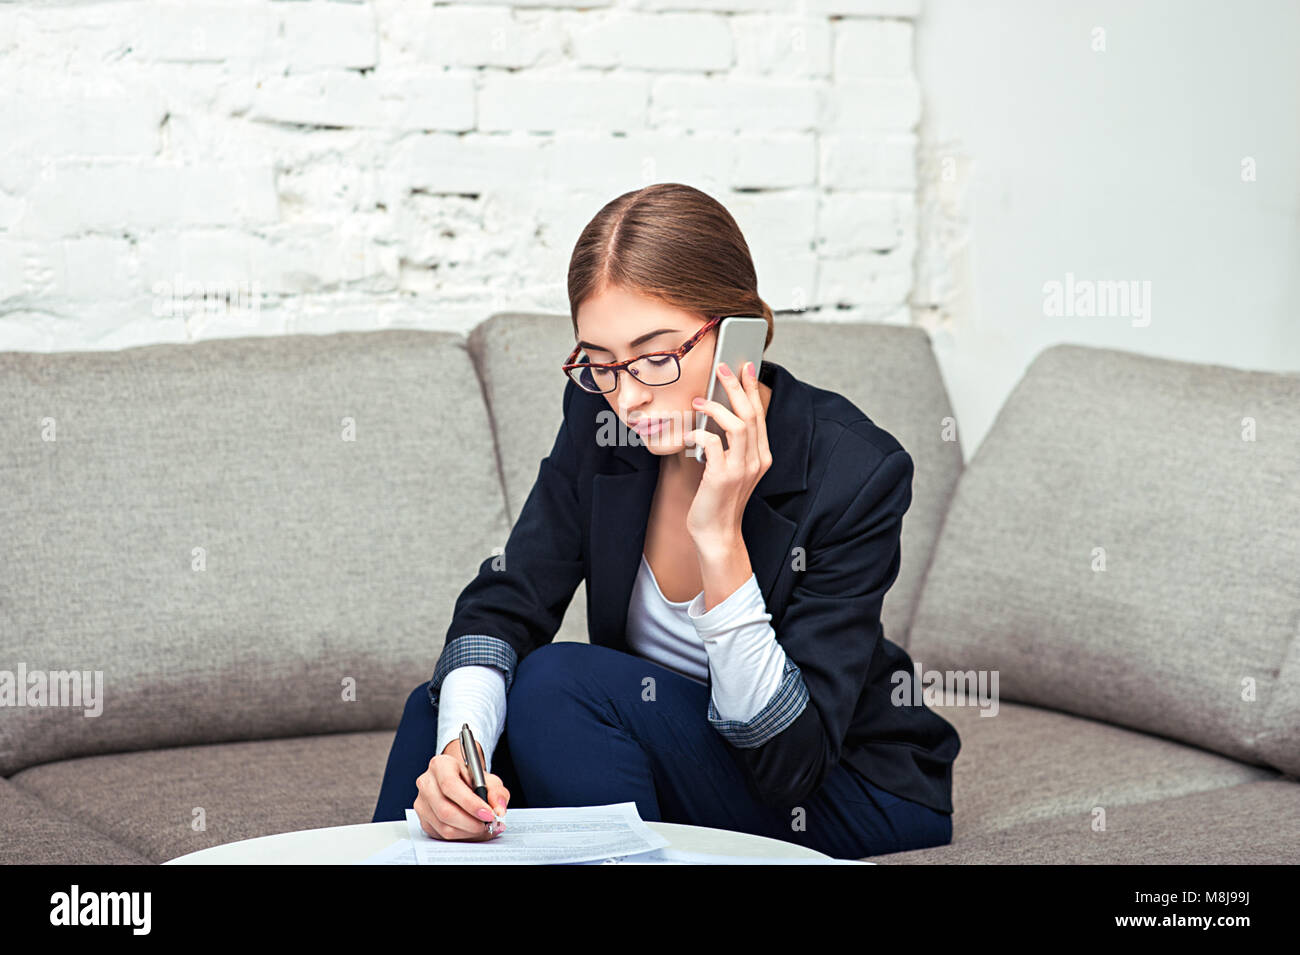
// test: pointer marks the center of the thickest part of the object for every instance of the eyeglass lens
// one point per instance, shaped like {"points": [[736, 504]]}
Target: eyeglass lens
{"points": [[652, 370]]}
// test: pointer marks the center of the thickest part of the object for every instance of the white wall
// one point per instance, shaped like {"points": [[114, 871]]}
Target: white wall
{"points": [[330, 165], [1123, 165]]}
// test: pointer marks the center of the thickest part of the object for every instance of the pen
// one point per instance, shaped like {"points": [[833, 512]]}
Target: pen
{"points": [[477, 774]]}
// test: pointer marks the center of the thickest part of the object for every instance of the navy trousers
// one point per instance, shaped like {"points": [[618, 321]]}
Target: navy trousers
{"points": [[579, 733]]}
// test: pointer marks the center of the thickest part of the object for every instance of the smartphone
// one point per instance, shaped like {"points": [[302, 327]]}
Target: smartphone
{"points": [[740, 339]]}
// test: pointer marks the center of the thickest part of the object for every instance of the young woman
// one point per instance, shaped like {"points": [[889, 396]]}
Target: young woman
{"points": [[737, 675]]}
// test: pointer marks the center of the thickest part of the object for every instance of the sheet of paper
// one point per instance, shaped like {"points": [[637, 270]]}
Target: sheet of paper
{"points": [[546, 836], [682, 857], [401, 852], [413, 828]]}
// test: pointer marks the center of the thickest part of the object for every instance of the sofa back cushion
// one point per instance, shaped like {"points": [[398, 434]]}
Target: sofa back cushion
{"points": [[247, 538], [515, 354], [888, 371], [1125, 545]]}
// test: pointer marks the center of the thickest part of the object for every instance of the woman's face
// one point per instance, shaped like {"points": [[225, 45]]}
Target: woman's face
{"points": [[615, 325]]}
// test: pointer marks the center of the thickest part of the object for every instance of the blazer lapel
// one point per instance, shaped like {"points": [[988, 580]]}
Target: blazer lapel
{"points": [[622, 496]]}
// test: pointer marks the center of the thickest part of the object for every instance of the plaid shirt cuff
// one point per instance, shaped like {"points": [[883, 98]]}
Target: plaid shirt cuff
{"points": [[780, 711], [471, 649]]}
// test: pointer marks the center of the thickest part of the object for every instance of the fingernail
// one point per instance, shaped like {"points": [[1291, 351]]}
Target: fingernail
{"points": [[697, 401], [749, 367], [724, 371], [485, 815], [501, 808]]}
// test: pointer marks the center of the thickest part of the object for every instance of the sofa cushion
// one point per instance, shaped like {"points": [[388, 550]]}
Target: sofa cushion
{"points": [[1138, 465], [888, 371], [1026, 763], [147, 801], [518, 358], [35, 833], [325, 563], [1250, 824]]}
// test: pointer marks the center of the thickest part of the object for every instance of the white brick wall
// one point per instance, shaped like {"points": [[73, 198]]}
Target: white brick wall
{"points": [[348, 165]]}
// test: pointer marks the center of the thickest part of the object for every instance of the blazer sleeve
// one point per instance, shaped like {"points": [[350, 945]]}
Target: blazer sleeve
{"points": [[518, 599], [830, 631]]}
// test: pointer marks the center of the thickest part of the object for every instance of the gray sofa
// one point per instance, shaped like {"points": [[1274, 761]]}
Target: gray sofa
{"points": [[258, 543]]}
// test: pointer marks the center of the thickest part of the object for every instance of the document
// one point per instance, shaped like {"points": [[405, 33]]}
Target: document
{"points": [[587, 835], [671, 856], [401, 852], [533, 837], [549, 836]]}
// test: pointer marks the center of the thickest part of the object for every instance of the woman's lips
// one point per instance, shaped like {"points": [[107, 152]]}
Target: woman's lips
{"points": [[646, 426]]}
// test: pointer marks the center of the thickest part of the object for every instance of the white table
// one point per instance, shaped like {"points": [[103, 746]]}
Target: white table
{"points": [[346, 844]]}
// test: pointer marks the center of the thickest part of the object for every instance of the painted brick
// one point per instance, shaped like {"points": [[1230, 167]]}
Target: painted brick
{"points": [[737, 105], [491, 37], [317, 35], [382, 162], [854, 105], [382, 99], [872, 49], [782, 45], [885, 162], [660, 42], [551, 103], [133, 196], [51, 128]]}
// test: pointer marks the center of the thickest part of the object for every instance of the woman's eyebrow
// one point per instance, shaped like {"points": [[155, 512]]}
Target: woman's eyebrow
{"points": [[633, 343]]}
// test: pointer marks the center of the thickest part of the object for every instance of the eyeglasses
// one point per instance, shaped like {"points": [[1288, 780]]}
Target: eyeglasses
{"points": [[655, 368]]}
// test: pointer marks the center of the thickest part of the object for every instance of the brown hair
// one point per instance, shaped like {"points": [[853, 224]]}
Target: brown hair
{"points": [[669, 242]]}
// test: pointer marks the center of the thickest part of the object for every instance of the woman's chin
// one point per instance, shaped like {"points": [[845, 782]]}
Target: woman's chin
{"points": [[662, 447], [668, 439], [662, 444]]}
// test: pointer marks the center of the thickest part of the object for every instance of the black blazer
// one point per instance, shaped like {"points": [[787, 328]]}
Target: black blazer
{"points": [[822, 531]]}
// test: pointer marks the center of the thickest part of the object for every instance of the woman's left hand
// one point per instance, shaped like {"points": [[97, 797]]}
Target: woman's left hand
{"points": [[730, 476]]}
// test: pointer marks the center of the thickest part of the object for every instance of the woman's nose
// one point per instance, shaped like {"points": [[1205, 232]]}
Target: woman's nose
{"points": [[631, 393]]}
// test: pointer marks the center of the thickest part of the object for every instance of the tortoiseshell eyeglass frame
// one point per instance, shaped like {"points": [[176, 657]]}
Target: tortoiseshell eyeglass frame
{"points": [[618, 366]]}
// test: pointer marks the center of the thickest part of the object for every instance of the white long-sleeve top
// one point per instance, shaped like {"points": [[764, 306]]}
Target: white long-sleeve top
{"points": [[733, 644]]}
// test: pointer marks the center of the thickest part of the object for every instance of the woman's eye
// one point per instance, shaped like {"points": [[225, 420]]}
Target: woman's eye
{"points": [[657, 362]]}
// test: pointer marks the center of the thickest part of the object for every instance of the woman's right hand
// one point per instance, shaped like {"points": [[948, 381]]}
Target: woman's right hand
{"points": [[447, 806]]}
